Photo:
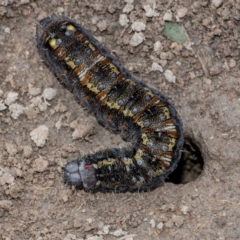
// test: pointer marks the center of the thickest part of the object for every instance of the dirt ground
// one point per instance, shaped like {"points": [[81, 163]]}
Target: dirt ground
{"points": [[34, 201]]}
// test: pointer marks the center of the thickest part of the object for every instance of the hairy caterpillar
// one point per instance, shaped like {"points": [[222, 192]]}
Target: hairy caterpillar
{"points": [[143, 116]]}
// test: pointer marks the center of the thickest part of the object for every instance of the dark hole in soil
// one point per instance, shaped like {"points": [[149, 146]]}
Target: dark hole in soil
{"points": [[190, 165]]}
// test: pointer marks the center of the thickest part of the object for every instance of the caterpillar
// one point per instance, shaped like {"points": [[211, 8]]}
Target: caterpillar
{"points": [[122, 104]]}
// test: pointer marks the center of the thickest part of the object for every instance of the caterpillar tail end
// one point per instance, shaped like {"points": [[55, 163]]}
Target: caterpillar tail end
{"points": [[80, 174], [71, 174]]}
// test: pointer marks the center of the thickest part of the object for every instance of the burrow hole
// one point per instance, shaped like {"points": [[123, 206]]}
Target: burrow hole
{"points": [[190, 165]]}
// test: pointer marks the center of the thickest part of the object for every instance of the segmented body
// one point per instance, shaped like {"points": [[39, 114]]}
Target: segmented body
{"points": [[122, 104]]}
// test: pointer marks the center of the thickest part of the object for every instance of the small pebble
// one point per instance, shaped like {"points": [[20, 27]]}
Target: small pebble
{"points": [[81, 129], [89, 220], [166, 55], [36, 101], [100, 224], [9, 78], [5, 204], [215, 69], [33, 91], [41, 164], [217, 32], [232, 63], [77, 223], [157, 47], [207, 81], [168, 207], [27, 151], [60, 10], [184, 209], [123, 20], [6, 178], [160, 226], [7, 30], [119, 233], [58, 124], [128, 8], [217, 3], [174, 45], [106, 229], [11, 98], [43, 106], [206, 22], [111, 8], [168, 74], [16, 110], [39, 135], [11, 148], [25, 12], [64, 198], [156, 67], [178, 220], [24, 2], [169, 223], [163, 62], [70, 236], [152, 223], [150, 12], [181, 12], [102, 25], [2, 105], [168, 16], [138, 26], [129, 1], [94, 19], [49, 93], [136, 39]]}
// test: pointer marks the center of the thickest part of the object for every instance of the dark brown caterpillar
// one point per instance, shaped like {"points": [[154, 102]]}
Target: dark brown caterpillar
{"points": [[122, 104]]}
